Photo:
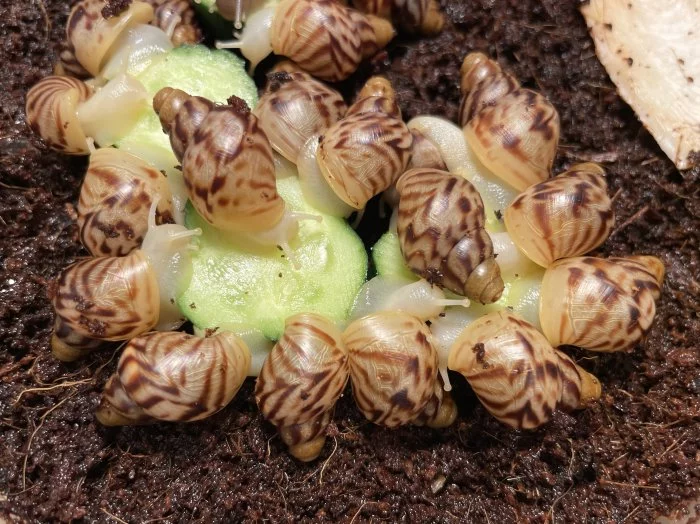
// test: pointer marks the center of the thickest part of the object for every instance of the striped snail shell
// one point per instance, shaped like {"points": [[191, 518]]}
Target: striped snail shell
{"points": [[518, 377], [376, 96], [301, 380], [600, 304], [364, 153], [413, 16], [115, 201], [513, 131], [565, 216], [441, 231], [325, 38], [295, 107], [177, 18], [51, 112], [67, 64], [93, 26], [425, 154], [174, 377], [393, 368], [229, 176]]}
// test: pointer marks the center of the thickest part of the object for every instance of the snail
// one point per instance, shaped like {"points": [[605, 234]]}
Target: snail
{"points": [[236, 11], [518, 377], [174, 377], [119, 298], [67, 64], [565, 216], [300, 382], [177, 18], [326, 39], [442, 236], [295, 107], [69, 116], [359, 156], [393, 371], [413, 16], [513, 131], [425, 154], [228, 167], [600, 304], [115, 200]]}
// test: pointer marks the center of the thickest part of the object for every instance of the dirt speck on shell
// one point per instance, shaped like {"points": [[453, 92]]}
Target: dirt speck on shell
{"points": [[632, 456]]}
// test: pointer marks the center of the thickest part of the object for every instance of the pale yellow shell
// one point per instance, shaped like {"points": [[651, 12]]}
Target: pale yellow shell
{"points": [[108, 298], [91, 35], [441, 231], [516, 374], [376, 96], [412, 16], [325, 38], [302, 379], [295, 107], [52, 113], [393, 367], [115, 200], [174, 377], [600, 304], [566, 216]]}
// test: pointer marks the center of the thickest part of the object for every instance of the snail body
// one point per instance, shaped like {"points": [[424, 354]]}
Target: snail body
{"points": [[512, 130], [412, 16], [518, 377], [442, 236], [301, 380], [174, 377]]}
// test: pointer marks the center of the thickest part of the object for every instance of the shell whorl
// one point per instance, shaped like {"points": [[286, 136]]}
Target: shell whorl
{"points": [[441, 231], [174, 377], [412, 16], [178, 17], [425, 154]]}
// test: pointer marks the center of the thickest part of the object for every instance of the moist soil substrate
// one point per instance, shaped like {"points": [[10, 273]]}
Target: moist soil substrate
{"points": [[633, 456]]}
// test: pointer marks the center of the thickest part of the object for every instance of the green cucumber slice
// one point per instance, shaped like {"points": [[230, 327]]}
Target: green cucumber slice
{"points": [[236, 285], [388, 259]]}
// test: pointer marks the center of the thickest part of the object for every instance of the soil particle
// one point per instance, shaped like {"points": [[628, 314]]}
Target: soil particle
{"points": [[632, 456]]}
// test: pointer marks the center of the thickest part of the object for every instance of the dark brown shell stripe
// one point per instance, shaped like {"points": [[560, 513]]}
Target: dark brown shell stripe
{"points": [[68, 63], [187, 30], [570, 383], [114, 397], [73, 339], [441, 227], [306, 431], [376, 104], [482, 87], [410, 14], [188, 115], [304, 374], [109, 298], [363, 155]]}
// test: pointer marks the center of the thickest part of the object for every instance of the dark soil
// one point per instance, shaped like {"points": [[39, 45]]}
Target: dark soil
{"points": [[631, 457]]}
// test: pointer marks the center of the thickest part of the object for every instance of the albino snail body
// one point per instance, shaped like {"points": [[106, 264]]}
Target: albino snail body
{"points": [[300, 382], [115, 201], [326, 39], [441, 230], [513, 131], [412, 16], [118, 298], [393, 370], [518, 377], [174, 377]]}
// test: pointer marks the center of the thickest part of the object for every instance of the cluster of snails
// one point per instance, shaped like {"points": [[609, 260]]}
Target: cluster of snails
{"points": [[442, 180]]}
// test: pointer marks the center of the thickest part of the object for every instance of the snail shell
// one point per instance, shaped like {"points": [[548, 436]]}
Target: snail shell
{"points": [[115, 200], [174, 377], [513, 131], [227, 161], [566, 216], [425, 153], [68, 65], [413, 16], [325, 38], [52, 113], [441, 231], [301, 380], [178, 20], [376, 96], [600, 304], [393, 367], [518, 377], [92, 29], [295, 107]]}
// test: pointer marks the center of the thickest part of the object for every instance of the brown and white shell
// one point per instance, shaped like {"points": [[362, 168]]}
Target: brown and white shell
{"points": [[93, 27], [441, 232], [425, 154], [178, 19], [518, 377], [600, 304], [51, 112], [393, 367], [115, 200], [376, 96], [566, 216], [513, 131], [412, 16], [174, 377], [325, 38], [301, 380], [295, 107], [227, 161]]}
